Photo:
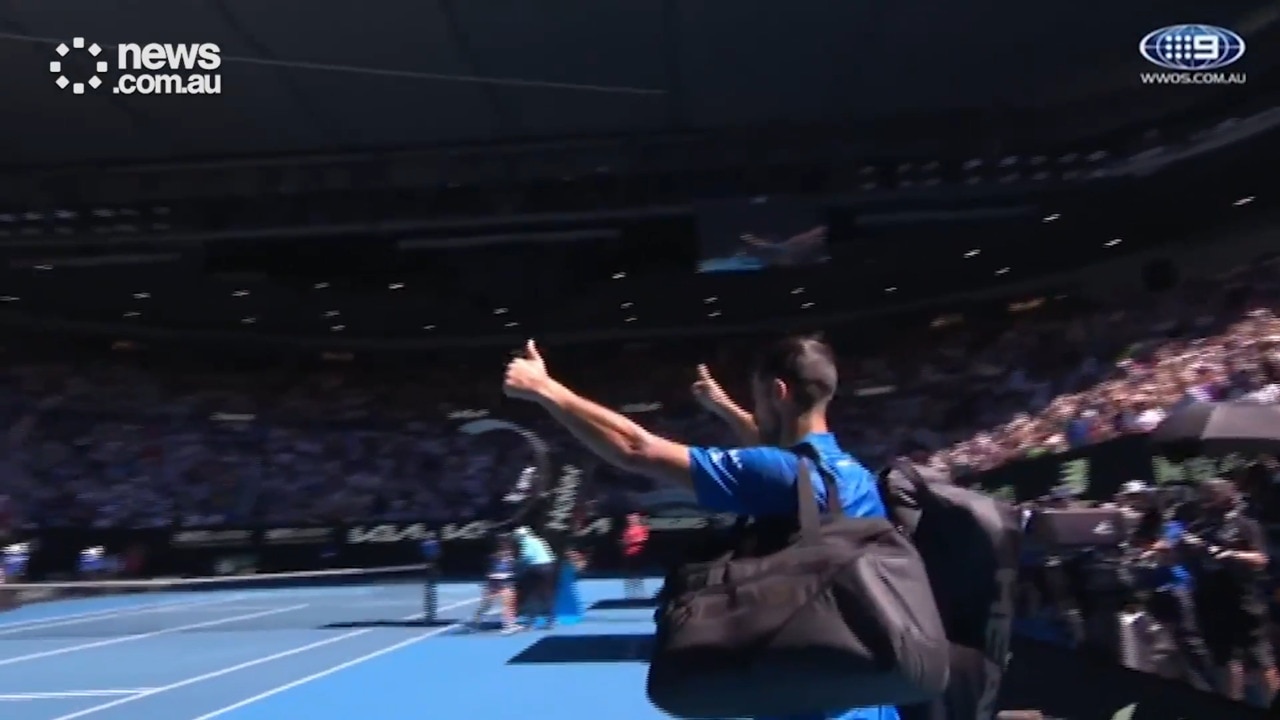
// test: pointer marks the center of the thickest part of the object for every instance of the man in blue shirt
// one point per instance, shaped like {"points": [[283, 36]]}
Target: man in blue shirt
{"points": [[792, 384], [1171, 602]]}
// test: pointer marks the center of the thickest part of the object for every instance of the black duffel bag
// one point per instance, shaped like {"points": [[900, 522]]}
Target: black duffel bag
{"points": [[837, 615], [970, 544]]}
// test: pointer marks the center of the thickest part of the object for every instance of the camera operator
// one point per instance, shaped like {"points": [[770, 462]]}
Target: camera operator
{"points": [[1229, 552], [1164, 583], [1055, 572]]}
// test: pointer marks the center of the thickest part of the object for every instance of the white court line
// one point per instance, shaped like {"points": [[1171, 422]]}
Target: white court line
{"points": [[406, 603], [69, 694], [143, 636], [344, 606], [252, 663], [327, 672], [76, 618], [191, 609]]}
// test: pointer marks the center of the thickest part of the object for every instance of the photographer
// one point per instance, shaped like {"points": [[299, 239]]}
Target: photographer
{"points": [[1229, 552], [1055, 573]]}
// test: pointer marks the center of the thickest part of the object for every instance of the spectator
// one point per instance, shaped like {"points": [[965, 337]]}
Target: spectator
{"points": [[100, 441]]}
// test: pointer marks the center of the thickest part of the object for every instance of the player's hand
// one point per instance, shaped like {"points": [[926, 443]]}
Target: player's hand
{"points": [[526, 377], [708, 392]]}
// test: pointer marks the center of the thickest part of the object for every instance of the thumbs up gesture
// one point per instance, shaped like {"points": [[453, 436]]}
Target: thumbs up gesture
{"points": [[708, 393], [526, 377]]}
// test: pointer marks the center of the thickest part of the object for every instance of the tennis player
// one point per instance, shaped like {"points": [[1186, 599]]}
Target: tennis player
{"points": [[793, 381], [500, 588]]}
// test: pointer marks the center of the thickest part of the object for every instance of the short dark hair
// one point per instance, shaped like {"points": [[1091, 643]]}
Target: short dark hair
{"points": [[806, 364]]}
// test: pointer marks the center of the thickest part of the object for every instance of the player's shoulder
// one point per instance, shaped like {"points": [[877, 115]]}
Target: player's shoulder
{"points": [[753, 457], [844, 463]]}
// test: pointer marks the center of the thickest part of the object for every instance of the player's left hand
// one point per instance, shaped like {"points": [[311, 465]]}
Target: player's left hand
{"points": [[526, 377]]}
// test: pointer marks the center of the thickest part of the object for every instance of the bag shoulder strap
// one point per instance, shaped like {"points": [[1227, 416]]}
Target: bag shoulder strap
{"points": [[905, 511], [807, 503], [804, 482], [808, 514]]}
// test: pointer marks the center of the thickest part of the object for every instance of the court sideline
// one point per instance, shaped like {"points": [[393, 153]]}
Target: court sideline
{"points": [[252, 655]]}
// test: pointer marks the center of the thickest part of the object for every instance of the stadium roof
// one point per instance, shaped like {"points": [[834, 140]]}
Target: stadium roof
{"points": [[449, 123], [323, 76], [630, 278]]}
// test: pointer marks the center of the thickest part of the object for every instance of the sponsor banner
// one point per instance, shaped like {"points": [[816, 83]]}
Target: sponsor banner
{"points": [[389, 533], [1097, 472], [212, 538], [593, 528], [298, 536]]}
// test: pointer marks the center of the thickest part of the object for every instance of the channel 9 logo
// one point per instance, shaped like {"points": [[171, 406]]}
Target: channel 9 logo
{"points": [[1191, 53]]}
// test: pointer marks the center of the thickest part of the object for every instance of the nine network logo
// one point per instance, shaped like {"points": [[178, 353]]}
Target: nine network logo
{"points": [[1192, 55], [150, 69]]}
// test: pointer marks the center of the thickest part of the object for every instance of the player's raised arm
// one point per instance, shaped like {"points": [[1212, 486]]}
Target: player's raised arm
{"points": [[713, 398], [612, 436]]}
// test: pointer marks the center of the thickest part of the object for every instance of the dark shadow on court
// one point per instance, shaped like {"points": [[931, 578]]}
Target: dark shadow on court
{"points": [[586, 649], [625, 604], [388, 624]]}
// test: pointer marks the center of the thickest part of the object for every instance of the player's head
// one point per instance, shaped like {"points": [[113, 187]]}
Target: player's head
{"points": [[792, 381], [633, 518]]}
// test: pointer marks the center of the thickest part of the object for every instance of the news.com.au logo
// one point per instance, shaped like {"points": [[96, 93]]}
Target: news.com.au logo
{"points": [[1192, 55], [150, 69]]}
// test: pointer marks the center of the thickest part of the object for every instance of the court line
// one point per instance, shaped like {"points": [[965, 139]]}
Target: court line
{"points": [[327, 672], [143, 636], [75, 618], [70, 694], [242, 607], [252, 663], [405, 604]]}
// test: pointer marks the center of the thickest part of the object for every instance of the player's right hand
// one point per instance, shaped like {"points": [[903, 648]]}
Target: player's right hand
{"points": [[708, 392]]}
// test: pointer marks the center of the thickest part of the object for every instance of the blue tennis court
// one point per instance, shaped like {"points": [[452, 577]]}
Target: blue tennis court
{"points": [[317, 652]]}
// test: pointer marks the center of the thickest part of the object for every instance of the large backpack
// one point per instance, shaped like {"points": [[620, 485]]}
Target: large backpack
{"points": [[834, 616], [970, 544]]}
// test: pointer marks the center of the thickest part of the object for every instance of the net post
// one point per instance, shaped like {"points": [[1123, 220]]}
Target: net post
{"points": [[430, 596], [430, 549]]}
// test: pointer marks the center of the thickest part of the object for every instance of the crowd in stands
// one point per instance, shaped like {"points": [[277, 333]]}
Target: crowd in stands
{"points": [[124, 438]]}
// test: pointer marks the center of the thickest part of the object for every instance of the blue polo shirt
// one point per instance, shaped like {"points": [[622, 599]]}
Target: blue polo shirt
{"points": [[534, 550], [1178, 575], [760, 481]]}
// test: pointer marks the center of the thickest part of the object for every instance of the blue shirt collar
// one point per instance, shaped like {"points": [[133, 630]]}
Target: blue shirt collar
{"points": [[822, 442]]}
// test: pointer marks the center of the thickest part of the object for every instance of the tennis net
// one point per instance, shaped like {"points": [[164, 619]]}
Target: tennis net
{"points": [[403, 595]]}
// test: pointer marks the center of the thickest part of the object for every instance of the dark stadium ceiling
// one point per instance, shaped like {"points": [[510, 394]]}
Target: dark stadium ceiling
{"points": [[324, 76], [637, 282]]}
